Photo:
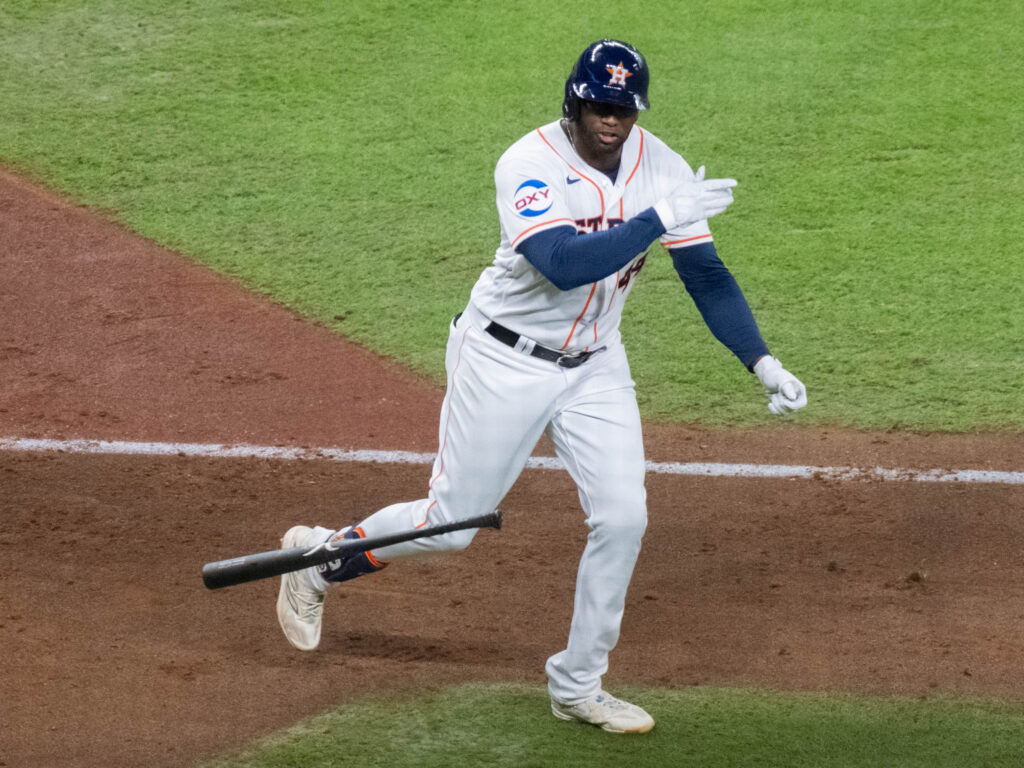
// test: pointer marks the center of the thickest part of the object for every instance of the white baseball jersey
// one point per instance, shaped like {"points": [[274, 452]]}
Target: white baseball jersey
{"points": [[500, 400], [541, 184]]}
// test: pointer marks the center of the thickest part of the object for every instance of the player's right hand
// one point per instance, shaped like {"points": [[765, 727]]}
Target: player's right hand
{"points": [[694, 201]]}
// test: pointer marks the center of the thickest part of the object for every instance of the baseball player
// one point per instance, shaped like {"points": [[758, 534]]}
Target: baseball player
{"points": [[537, 350]]}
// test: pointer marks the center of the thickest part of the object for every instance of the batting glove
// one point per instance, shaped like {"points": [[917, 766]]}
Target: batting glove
{"points": [[785, 391], [694, 201]]}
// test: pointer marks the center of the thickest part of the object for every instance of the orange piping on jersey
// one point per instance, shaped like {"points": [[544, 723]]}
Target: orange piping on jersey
{"points": [[593, 288], [426, 517], [596, 186], [686, 240], [575, 170], [639, 155], [542, 224]]}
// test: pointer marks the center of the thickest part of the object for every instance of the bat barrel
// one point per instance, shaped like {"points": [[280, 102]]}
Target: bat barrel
{"points": [[263, 565]]}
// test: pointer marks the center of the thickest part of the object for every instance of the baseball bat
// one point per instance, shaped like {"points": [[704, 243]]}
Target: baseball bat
{"points": [[263, 565]]}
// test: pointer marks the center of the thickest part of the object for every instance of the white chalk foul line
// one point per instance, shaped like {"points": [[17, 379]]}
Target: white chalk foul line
{"points": [[702, 469]]}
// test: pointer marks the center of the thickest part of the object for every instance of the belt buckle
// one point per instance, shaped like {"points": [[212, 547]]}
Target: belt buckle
{"points": [[572, 361]]}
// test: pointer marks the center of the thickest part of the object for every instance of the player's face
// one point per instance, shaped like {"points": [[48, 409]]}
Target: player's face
{"points": [[601, 131]]}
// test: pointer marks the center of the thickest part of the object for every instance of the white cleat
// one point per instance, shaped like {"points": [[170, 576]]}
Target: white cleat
{"points": [[300, 606], [603, 709]]}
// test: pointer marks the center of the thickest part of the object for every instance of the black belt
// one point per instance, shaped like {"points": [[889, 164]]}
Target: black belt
{"points": [[511, 338]]}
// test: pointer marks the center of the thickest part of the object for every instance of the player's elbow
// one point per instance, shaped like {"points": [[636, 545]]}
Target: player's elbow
{"points": [[562, 283]]}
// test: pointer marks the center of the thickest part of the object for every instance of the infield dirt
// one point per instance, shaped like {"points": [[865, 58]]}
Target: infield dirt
{"points": [[117, 656]]}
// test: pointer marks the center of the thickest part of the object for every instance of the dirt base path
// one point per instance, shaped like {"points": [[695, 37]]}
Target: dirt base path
{"points": [[117, 656]]}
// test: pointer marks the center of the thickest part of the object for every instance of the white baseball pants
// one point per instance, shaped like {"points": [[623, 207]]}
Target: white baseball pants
{"points": [[497, 405]]}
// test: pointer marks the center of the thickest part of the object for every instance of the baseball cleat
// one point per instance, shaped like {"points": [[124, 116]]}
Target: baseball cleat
{"points": [[611, 714], [300, 606]]}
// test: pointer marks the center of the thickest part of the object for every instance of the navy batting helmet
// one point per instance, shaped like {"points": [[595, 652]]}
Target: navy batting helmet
{"points": [[609, 71]]}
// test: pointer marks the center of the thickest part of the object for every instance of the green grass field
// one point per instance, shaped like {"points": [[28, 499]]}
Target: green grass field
{"points": [[706, 728], [338, 157]]}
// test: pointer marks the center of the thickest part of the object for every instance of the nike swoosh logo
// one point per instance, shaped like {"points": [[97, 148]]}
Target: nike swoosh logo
{"points": [[571, 181]]}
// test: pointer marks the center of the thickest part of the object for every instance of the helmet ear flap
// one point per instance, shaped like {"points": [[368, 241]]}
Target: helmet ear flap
{"points": [[571, 103], [571, 108]]}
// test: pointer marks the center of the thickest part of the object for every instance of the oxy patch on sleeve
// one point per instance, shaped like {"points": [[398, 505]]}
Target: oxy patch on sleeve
{"points": [[532, 198]]}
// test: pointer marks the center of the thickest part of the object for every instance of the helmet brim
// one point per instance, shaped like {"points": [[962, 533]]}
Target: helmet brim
{"points": [[610, 94]]}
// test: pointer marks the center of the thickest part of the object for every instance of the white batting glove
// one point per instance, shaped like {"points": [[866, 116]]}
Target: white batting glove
{"points": [[785, 391], [694, 201]]}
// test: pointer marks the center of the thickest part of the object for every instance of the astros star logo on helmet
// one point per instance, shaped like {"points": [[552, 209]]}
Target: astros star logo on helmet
{"points": [[619, 75]]}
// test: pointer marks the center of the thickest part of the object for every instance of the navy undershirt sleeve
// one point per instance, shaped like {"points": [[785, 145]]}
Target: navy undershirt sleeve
{"points": [[720, 301], [569, 259]]}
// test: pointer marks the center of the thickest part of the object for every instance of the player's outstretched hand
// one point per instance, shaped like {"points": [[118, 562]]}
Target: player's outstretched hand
{"points": [[786, 392], [694, 201]]}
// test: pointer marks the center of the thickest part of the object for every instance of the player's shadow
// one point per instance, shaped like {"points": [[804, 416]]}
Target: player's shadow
{"points": [[451, 650]]}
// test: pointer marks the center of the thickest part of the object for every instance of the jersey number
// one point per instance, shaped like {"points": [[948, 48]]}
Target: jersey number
{"points": [[632, 272]]}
